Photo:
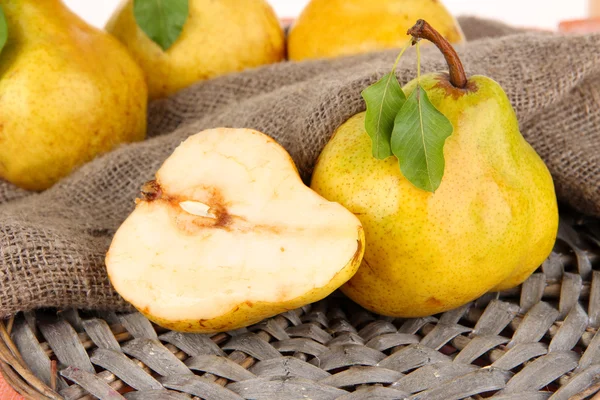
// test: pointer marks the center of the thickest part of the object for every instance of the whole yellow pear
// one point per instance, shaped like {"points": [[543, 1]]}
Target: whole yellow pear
{"points": [[219, 37], [332, 28], [492, 221], [68, 92]]}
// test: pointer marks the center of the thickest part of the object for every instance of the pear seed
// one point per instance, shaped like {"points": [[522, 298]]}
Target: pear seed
{"points": [[197, 208]]}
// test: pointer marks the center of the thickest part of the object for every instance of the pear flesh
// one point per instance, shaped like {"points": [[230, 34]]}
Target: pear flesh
{"points": [[489, 225], [227, 235]]}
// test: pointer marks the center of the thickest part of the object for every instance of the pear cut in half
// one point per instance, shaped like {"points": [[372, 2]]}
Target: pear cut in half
{"points": [[228, 234]]}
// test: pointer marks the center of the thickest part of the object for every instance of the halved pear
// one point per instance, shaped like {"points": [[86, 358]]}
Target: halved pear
{"points": [[228, 234]]}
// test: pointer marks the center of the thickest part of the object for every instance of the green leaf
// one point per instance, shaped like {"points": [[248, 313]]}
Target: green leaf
{"points": [[420, 132], [384, 99], [161, 20], [3, 29]]}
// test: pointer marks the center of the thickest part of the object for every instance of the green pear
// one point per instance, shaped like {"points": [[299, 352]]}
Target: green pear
{"points": [[492, 221], [68, 92]]}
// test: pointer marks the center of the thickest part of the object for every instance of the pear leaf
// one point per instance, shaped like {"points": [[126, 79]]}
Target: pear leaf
{"points": [[384, 99], [3, 29], [161, 20], [420, 132]]}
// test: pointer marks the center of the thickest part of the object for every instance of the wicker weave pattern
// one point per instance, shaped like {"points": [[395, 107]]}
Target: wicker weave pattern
{"points": [[538, 341]]}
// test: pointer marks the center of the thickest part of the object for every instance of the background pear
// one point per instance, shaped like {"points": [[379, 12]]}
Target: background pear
{"points": [[219, 37], [489, 225], [332, 28], [68, 92]]}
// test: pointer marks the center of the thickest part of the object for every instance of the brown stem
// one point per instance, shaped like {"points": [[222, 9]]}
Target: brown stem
{"points": [[422, 30]]}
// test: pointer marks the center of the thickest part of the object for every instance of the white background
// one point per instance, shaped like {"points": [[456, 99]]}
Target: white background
{"points": [[545, 14]]}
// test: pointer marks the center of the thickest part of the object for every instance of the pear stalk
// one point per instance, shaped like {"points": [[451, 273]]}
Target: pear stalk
{"points": [[422, 30]]}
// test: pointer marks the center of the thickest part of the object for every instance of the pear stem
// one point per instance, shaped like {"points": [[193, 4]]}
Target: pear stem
{"points": [[422, 30]]}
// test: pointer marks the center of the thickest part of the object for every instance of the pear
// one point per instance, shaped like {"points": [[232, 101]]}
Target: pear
{"points": [[68, 92], [219, 37], [492, 221], [228, 234], [334, 28]]}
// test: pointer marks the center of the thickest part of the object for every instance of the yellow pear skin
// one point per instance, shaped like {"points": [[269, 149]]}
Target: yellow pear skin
{"points": [[334, 28], [68, 92], [219, 37], [490, 224]]}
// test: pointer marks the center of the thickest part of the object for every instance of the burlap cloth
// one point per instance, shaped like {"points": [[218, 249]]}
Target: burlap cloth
{"points": [[52, 244]]}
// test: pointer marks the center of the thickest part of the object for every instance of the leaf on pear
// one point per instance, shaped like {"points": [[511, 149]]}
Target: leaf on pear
{"points": [[383, 99], [161, 20], [420, 131], [3, 29]]}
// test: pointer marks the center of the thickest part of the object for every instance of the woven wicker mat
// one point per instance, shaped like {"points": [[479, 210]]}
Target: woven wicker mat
{"points": [[538, 341]]}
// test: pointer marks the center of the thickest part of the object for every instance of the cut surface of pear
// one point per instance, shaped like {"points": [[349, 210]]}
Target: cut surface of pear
{"points": [[228, 234]]}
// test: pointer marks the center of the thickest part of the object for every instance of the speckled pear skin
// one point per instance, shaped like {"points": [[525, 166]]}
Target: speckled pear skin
{"points": [[490, 224]]}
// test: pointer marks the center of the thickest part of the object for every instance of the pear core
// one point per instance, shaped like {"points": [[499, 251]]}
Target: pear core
{"points": [[229, 227]]}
